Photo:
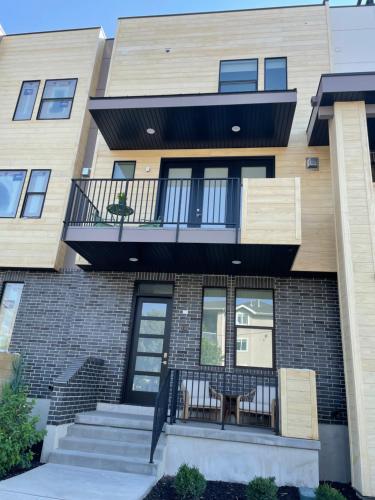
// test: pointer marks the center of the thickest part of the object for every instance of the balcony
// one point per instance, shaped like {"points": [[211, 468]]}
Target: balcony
{"points": [[185, 225], [262, 119]]}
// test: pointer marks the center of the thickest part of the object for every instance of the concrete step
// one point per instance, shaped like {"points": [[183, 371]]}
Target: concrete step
{"points": [[103, 461], [110, 433], [112, 419], [137, 450], [129, 409]]}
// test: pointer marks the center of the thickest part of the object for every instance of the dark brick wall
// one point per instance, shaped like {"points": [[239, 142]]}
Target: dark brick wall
{"points": [[76, 390], [66, 315]]}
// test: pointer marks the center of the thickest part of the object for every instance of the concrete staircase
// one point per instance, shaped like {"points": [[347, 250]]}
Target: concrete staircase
{"points": [[114, 437]]}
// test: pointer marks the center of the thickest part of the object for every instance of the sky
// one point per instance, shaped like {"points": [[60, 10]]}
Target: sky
{"points": [[19, 16]]}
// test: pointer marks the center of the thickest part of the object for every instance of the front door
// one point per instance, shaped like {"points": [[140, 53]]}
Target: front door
{"points": [[149, 351]]}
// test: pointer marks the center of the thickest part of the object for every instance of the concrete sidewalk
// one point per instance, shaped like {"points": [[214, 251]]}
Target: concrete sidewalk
{"points": [[63, 482]]}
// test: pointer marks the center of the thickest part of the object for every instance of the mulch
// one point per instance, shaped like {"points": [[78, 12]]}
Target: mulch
{"points": [[216, 490]]}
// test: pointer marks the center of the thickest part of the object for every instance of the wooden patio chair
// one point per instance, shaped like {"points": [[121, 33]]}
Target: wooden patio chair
{"points": [[199, 395], [258, 401]]}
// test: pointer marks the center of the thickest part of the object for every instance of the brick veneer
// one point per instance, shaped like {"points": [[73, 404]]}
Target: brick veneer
{"points": [[76, 390], [75, 313]]}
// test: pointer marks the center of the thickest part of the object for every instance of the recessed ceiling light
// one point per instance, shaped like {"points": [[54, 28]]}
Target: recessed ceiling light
{"points": [[236, 128], [133, 259], [150, 131], [236, 262]]}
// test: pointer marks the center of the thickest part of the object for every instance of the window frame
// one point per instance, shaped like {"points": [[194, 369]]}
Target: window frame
{"points": [[2, 292], [14, 119], [286, 73], [123, 161], [239, 81], [22, 216], [272, 328], [226, 327], [21, 191], [43, 99]]}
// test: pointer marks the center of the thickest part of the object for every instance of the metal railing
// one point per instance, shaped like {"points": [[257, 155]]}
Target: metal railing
{"points": [[243, 399], [154, 203]]}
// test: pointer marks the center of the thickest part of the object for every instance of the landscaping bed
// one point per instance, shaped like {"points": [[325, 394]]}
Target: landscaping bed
{"points": [[37, 450], [216, 490]]}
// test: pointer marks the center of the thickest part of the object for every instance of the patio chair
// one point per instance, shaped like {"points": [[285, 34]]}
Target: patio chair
{"points": [[199, 395], [259, 401]]}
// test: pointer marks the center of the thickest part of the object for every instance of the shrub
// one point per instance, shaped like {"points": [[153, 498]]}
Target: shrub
{"points": [[189, 483], [261, 488], [326, 492], [17, 428]]}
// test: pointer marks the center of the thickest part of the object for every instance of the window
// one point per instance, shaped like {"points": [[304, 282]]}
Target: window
{"points": [[123, 170], [11, 184], [10, 300], [254, 328], [238, 76], [26, 100], [213, 327], [35, 194], [241, 344], [275, 74], [57, 99]]}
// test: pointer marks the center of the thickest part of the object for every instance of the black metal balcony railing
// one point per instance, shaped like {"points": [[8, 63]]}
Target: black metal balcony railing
{"points": [[154, 202], [244, 399]]}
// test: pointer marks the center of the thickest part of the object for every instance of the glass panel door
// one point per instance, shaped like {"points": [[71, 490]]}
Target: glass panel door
{"points": [[177, 197], [214, 205], [149, 354]]}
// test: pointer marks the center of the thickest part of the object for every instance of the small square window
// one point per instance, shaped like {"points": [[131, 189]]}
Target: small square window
{"points": [[123, 170], [57, 99]]}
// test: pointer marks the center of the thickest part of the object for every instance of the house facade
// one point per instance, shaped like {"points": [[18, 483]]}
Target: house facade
{"points": [[187, 223]]}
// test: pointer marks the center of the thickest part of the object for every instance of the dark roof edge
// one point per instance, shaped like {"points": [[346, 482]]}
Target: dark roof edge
{"points": [[52, 31], [291, 91], [225, 11]]}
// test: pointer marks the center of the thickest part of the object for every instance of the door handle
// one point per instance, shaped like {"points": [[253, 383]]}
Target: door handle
{"points": [[165, 355]]}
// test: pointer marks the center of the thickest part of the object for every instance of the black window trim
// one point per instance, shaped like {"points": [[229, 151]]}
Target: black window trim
{"points": [[42, 99], [123, 161], [226, 326], [18, 100], [240, 81], [286, 73], [23, 185], [273, 328], [44, 194]]}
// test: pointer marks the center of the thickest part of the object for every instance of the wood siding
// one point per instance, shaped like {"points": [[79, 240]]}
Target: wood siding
{"points": [[355, 234], [141, 66], [271, 211], [44, 144]]}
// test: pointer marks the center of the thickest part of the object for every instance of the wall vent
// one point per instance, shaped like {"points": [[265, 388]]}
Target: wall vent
{"points": [[312, 163]]}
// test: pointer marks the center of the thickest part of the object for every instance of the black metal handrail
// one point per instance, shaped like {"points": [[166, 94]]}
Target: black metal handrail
{"points": [[192, 202], [160, 412]]}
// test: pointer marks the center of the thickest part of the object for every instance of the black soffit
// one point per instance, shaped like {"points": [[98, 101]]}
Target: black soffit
{"points": [[338, 87], [196, 120], [187, 257]]}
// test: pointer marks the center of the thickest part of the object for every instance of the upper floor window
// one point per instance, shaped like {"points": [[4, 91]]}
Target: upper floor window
{"points": [[10, 300], [57, 99], [11, 184], [275, 74], [26, 100], [239, 76], [123, 170], [35, 194]]}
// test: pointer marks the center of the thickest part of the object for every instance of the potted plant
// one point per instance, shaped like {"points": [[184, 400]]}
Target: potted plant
{"points": [[120, 208]]}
